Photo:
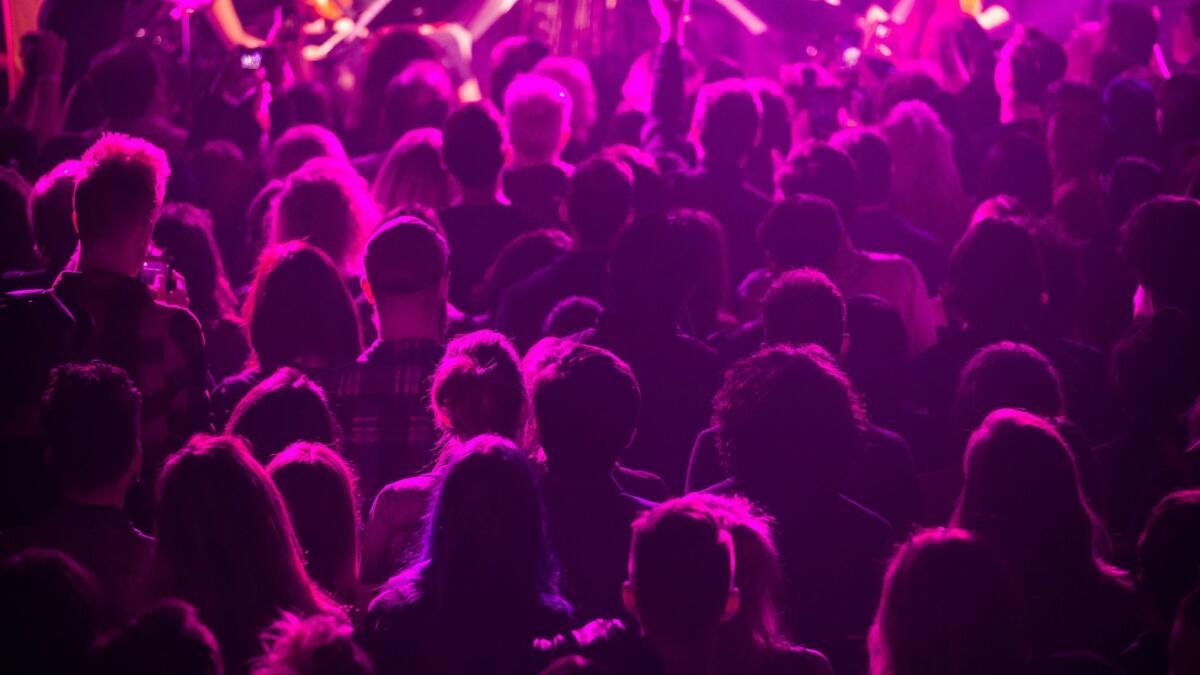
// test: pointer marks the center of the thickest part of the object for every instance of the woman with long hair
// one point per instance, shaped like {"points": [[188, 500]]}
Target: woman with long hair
{"points": [[1021, 493], [413, 173], [225, 544], [477, 389], [485, 584]]}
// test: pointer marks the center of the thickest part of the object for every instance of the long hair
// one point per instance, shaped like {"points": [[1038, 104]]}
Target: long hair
{"points": [[413, 173], [226, 544], [185, 233], [478, 389], [927, 187], [327, 204], [947, 608]]}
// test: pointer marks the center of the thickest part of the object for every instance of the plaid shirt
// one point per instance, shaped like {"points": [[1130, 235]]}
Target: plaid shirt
{"points": [[382, 403], [160, 346]]}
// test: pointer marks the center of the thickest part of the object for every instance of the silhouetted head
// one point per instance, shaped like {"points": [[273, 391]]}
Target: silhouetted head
{"points": [[996, 283], [655, 268], [299, 312], [1131, 115], [538, 110], [1017, 165], [475, 145], [511, 57], [599, 201], [413, 173], [317, 645], [1131, 31], [1155, 368], [50, 604], [1180, 102], [326, 203], [185, 235], [50, 212], [421, 95], [525, 255], [1161, 242], [305, 102], [1028, 64], [1132, 182], [572, 316], [407, 270], [119, 193], [821, 169], [1168, 553], [804, 306], [1074, 114], [726, 121], [872, 158], [573, 74], [283, 409], [300, 144], [391, 49], [170, 638], [876, 357], [126, 81], [802, 231], [478, 388], [1007, 375], [948, 606]]}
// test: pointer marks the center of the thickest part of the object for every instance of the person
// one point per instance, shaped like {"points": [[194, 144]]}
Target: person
{"points": [[599, 203], [585, 405], [170, 638], [574, 76], [327, 205], [1130, 37], [20, 256], [1028, 63], [484, 585], [225, 544], [521, 258], [222, 180], [1185, 39], [654, 270], [50, 213], [1021, 493], [476, 389], [725, 126], [161, 346], [875, 226], [481, 222], [391, 50], [381, 399], [319, 489], [130, 91], [184, 233], [51, 603], [317, 645], [418, 97], [511, 57], [299, 144], [537, 110], [1161, 246], [283, 409], [1017, 165], [788, 411], [299, 314], [1183, 657], [412, 174], [949, 605]]}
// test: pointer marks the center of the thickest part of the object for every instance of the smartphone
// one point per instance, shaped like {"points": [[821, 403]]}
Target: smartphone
{"points": [[158, 272], [251, 59]]}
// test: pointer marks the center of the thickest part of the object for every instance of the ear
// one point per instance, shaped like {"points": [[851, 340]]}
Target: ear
{"points": [[629, 599], [733, 603], [366, 289]]}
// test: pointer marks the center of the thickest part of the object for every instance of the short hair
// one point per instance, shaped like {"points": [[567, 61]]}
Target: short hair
{"points": [[125, 79], [405, 255], [473, 144], [820, 169], [788, 411], [327, 204], [51, 603], [478, 387], [1132, 31], [1161, 242], [655, 266], [283, 409], [122, 185], [872, 158], [511, 57], [681, 565], [538, 110], [1008, 375], [316, 645], [170, 638], [573, 74], [599, 200], [1168, 552], [50, 212], [1037, 62], [91, 419], [301, 143], [802, 231], [996, 279], [727, 120], [586, 404], [418, 96], [803, 306], [572, 316]]}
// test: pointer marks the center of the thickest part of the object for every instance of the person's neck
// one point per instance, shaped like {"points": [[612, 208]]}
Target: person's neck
{"points": [[110, 261], [692, 659], [112, 496], [482, 196], [408, 323]]}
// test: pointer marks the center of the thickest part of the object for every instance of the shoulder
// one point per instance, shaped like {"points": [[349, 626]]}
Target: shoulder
{"points": [[796, 661], [409, 496]]}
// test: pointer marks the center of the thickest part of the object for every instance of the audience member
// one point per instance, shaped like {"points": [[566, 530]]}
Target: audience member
{"points": [[130, 91], [301, 143], [538, 112], [317, 645], [169, 638], [521, 258], [283, 409], [325, 204], [51, 212], [53, 616], [412, 174]]}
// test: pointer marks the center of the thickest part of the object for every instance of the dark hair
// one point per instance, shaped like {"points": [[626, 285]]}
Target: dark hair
{"points": [[1017, 165], [185, 234], [418, 96], [1007, 375], [802, 231], [1168, 552], [996, 281], [1179, 99], [321, 494], [703, 244], [1131, 113], [389, 52], [305, 102], [299, 311], [804, 306], [681, 566], [301, 143], [586, 404], [317, 645], [820, 169], [649, 185], [1037, 62], [327, 204], [473, 144], [405, 255], [599, 200], [1162, 245], [17, 242], [91, 420], [125, 79], [876, 357], [572, 316], [122, 185], [478, 389], [1155, 369], [1132, 181], [51, 213], [654, 268], [948, 606], [1132, 31], [285, 408], [511, 57], [727, 120], [520, 258], [169, 638], [872, 157], [788, 411], [50, 604], [225, 544]]}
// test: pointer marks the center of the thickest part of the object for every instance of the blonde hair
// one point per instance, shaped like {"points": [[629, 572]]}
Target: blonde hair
{"points": [[927, 188]]}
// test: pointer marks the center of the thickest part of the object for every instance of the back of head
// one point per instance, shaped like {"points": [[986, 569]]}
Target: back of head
{"points": [[802, 231], [599, 201], [681, 569], [947, 607], [185, 235], [726, 121], [573, 74], [1162, 245], [538, 111], [284, 408], [17, 242], [169, 638], [1131, 114], [788, 411], [1034, 61], [405, 256], [517, 260], [121, 187], [50, 602], [51, 210], [91, 420], [821, 169], [317, 645], [474, 144], [420, 96], [654, 268], [873, 160], [1168, 552], [305, 102], [995, 282], [478, 388], [1132, 182], [1180, 101], [511, 57], [1132, 31], [412, 173], [876, 357], [1156, 370], [299, 311], [586, 404], [327, 204], [301, 143], [1017, 165], [1008, 375], [804, 306], [320, 491], [126, 80]]}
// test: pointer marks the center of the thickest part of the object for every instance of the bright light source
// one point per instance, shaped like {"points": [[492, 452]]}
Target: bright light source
{"points": [[993, 17]]}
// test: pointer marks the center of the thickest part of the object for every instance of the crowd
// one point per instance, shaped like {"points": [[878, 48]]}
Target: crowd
{"points": [[393, 382]]}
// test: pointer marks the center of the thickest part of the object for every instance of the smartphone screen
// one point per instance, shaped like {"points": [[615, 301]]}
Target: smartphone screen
{"points": [[252, 59], [156, 272]]}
